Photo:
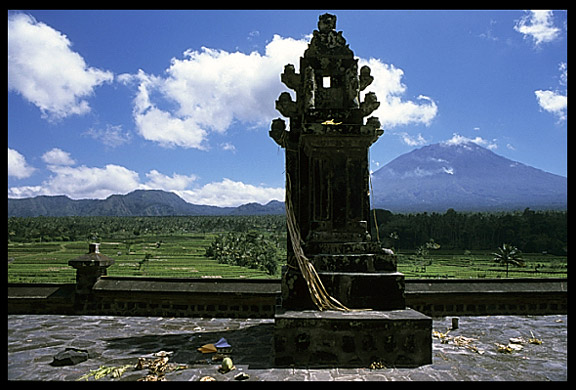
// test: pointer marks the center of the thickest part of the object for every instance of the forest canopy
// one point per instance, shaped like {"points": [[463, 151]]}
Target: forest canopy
{"points": [[530, 231]]}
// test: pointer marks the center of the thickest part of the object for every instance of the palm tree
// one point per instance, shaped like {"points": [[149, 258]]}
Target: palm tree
{"points": [[508, 254]]}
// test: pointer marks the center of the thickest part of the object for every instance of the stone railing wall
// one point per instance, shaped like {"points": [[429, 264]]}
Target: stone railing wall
{"points": [[258, 298]]}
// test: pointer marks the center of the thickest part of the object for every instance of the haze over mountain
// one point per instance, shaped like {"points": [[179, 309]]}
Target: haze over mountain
{"points": [[466, 177], [136, 203], [462, 176]]}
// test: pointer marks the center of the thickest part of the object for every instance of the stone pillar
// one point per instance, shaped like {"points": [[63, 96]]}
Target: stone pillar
{"points": [[89, 268], [327, 185]]}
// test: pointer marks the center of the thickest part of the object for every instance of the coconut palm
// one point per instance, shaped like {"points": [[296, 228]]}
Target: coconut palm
{"points": [[508, 254]]}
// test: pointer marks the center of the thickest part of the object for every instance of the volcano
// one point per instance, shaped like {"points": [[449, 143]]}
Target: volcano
{"points": [[465, 177]]}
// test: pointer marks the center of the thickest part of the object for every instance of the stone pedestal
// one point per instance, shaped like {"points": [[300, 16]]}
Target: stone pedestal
{"points": [[310, 338], [374, 290]]}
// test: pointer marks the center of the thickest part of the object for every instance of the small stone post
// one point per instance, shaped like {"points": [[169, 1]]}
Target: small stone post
{"points": [[89, 268]]}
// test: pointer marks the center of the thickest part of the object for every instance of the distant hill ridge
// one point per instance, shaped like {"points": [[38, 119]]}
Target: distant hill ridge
{"points": [[136, 203], [463, 176]]}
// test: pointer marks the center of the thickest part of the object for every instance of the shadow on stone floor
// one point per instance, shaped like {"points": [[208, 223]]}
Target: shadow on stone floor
{"points": [[252, 346]]}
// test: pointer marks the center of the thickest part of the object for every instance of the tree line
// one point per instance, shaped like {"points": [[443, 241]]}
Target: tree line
{"points": [[529, 230], [36, 229]]}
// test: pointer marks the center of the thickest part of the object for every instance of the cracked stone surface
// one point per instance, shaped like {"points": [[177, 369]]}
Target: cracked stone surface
{"points": [[33, 341]]}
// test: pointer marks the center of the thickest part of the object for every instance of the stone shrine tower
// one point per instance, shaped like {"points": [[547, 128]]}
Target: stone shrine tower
{"points": [[327, 191]]}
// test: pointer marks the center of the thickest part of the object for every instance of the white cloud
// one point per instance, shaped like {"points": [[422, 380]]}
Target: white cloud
{"points": [[98, 183], [538, 25], [58, 157], [458, 139], [45, 71], [228, 147], [208, 90], [92, 182], [17, 165], [555, 102], [157, 180], [231, 193], [82, 182], [393, 110], [111, 135], [412, 141]]}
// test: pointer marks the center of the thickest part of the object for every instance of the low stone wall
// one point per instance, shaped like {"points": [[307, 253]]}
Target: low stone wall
{"points": [[443, 297], [258, 298]]}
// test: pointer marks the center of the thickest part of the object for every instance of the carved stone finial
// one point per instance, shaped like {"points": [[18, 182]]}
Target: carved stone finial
{"points": [[365, 77], [370, 104], [290, 77], [278, 132], [326, 22], [286, 105]]}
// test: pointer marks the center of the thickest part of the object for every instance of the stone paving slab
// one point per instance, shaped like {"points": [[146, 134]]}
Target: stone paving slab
{"points": [[33, 341]]}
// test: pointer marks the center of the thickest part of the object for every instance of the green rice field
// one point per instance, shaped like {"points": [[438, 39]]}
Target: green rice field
{"points": [[179, 257], [183, 256]]}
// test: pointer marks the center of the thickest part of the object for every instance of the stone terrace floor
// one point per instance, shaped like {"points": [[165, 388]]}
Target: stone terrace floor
{"points": [[33, 340]]}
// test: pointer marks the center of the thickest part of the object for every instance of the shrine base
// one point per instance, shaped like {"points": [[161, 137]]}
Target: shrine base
{"points": [[315, 339]]}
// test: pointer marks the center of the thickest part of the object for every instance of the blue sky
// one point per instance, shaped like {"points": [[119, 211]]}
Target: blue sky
{"points": [[105, 102]]}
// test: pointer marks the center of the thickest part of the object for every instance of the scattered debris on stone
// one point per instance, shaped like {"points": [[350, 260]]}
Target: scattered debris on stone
{"points": [[242, 376], [515, 344], [226, 366], [509, 348], [158, 366], [207, 348], [221, 346], [102, 371], [534, 340], [377, 365], [460, 341]]}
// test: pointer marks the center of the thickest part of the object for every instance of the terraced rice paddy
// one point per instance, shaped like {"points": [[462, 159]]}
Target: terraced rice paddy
{"points": [[175, 257], [183, 256]]}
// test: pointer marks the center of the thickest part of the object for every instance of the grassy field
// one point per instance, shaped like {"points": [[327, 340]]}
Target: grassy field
{"points": [[182, 255], [465, 264], [175, 257]]}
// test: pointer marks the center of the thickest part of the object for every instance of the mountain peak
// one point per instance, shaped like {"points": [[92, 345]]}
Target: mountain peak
{"points": [[465, 176]]}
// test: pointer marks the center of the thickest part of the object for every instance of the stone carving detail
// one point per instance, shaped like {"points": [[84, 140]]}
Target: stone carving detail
{"points": [[286, 105], [370, 104], [365, 77]]}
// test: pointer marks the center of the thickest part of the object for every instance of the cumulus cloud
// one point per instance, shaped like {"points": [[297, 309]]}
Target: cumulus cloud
{"points": [[538, 25], [394, 110], [44, 69], [84, 182], [231, 193], [555, 102], [57, 156], [208, 90], [159, 181], [17, 165]]}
